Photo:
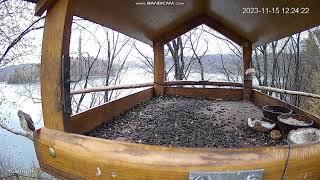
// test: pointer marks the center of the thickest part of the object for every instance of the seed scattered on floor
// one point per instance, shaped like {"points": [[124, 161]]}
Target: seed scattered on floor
{"points": [[187, 122]]}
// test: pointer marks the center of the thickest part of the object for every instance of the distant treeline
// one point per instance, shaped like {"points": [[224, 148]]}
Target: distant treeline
{"points": [[29, 73], [23, 75]]}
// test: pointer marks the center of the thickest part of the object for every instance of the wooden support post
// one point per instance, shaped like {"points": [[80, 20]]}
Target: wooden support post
{"points": [[158, 51], [54, 77], [43, 5], [247, 79]]}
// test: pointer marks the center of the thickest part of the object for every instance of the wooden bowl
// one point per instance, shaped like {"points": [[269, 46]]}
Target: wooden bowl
{"points": [[288, 122], [272, 112]]}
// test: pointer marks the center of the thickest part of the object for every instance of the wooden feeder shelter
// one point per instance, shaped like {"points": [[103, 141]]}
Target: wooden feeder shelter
{"points": [[64, 152]]}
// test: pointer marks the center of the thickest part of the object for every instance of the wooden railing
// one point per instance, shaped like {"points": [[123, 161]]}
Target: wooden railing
{"points": [[149, 84], [109, 88], [284, 91], [209, 83]]}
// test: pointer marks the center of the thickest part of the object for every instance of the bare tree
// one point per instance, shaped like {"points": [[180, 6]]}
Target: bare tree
{"points": [[275, 57], [146, 62], [198, 49], [108, 64], [114, 47], [16, 22], [176, 49], [89, 62]]}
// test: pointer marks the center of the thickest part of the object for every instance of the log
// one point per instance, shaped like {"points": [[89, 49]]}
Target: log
{"points": [[284, 91], [108, 88], [210, 83]]}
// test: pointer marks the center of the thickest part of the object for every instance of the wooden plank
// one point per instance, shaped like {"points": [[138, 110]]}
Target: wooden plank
{"points": [[247, 79], [211, 83], [79, 156], [88, 120], [159, 66], [54, 61], [261, 99], [43, 5], [109, 88], [211, 93]]}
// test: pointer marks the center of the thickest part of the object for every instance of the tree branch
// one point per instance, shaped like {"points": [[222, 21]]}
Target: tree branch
{"points": [[27, 135], [22, 34]]}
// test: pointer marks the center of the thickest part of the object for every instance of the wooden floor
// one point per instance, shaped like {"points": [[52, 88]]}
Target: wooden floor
{"points": [[177, 121]]}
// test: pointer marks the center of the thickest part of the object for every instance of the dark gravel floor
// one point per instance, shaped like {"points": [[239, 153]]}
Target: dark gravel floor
{"points": [[187, 122]]}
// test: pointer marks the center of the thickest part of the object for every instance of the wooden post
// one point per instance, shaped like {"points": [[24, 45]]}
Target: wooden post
{"points": [[54, 77], [247, 79], [158, 51], [43, 5]]}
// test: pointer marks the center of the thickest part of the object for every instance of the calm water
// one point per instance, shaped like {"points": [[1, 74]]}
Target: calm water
{"points": [[19, 150]]}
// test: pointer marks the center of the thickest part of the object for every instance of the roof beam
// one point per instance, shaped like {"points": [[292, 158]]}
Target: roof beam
{"points": [[42, 6], [179, 29], [221, 28], [195, 21]]}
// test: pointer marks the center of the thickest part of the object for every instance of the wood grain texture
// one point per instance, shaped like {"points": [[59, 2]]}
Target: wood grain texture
{"points": [[90, 119], [261, 99], [55, 48], [247, 79], [43, 5], [211, 93], [158, 50], [78, 157]]}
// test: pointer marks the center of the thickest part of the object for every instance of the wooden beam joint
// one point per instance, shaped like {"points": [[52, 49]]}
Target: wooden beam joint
{"points": [[43, 5]]}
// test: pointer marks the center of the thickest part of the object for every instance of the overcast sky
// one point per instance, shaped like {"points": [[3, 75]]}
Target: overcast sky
{"points": [[90, 45]]}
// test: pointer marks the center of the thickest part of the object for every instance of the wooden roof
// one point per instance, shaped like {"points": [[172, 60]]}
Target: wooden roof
{"points": [[164, 23]]}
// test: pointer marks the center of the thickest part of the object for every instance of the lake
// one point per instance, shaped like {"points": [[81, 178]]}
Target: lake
{"points": [[19, 150]]}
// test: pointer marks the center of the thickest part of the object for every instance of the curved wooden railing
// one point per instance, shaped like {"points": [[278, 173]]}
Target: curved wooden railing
{"points": [[149, 84], [106, 159]]}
